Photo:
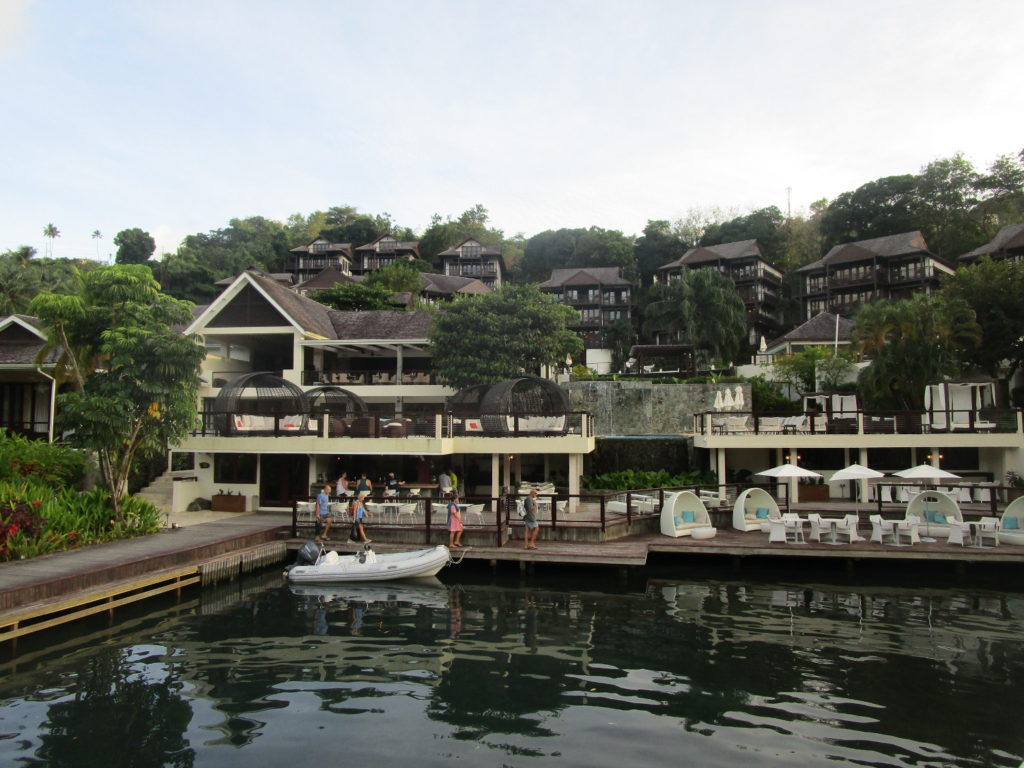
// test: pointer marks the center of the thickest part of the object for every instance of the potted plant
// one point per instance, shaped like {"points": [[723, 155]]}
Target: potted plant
{"points": [[1014, 485]]}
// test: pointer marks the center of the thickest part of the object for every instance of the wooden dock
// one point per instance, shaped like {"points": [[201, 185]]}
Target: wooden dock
{"points": [[53, 589]]}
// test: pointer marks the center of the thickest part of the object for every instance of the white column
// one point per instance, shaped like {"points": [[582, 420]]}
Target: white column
{"points": [[794, 494], [575, 472], [723, 492], [862, 459], [495, 477]]}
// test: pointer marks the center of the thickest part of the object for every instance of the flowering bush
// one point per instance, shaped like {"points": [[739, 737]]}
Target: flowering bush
{"points": [[18, 517]]}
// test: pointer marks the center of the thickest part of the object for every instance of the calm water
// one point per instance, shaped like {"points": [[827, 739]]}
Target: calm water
{"points": [[573, 667]]}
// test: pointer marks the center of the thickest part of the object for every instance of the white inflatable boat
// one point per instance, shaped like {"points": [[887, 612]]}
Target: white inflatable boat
{"points": [[367, 565]]}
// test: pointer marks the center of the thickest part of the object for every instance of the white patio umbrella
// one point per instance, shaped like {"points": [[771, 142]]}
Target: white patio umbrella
{"points": [[763, 346], [788, 472], [729, 402], [738, 399], [718, 400], [925, 472], [856, 472]]}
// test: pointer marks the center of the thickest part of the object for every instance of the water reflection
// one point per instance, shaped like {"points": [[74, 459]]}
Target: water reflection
{"points": [[722, 672]]}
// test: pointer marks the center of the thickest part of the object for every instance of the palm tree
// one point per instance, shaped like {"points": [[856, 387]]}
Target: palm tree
{"points": [[703, 309], [51, 232], [97, 236]]}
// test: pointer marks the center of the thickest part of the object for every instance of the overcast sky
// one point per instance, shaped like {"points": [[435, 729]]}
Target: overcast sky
{"points": [[177, 116]]}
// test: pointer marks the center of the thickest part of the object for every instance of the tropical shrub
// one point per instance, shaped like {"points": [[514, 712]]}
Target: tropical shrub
{"points": [[631, 479], [49, 463]]}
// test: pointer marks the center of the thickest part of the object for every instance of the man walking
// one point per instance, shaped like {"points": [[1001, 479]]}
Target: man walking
{"points": [[323, 514], [530, 526]]}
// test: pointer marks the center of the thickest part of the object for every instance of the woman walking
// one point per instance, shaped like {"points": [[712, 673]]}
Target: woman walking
{"points": [[454, 522]]}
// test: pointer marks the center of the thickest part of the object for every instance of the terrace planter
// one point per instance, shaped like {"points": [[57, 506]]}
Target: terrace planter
{"points": [[814, 493], [224, 503]]}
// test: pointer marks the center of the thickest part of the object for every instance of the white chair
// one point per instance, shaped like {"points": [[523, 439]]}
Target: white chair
{"points": [[883, 531], [407, 510], [777, 532], [983, 494], [907, 529], [988, 532], [476, 510], [847, 529], [886, 493], [959, 533], [963, 494], [815, 521]]}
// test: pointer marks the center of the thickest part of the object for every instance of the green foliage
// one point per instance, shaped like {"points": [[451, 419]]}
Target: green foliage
{"points": [[763, 225], [446, 233], [397, 277], [354, 297], [133, 378], [912, 343], [994, 291], [37, 461], [134, 246], [619, 337], [767, 396], [659, 245], [813, 368], [37, 519], [593, 247], [491, 337], [632, 479], [580, 372], [701, 307]]}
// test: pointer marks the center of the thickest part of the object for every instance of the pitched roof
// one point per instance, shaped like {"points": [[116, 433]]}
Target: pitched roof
{"points": [[408, 245], [285, 278], [450, 284], [485, 250], [820, 328], [331, 247], [1010, 236], [310, 315], [326, 278], [21, 339], [585, 276], [903, 244], [383, 324]]}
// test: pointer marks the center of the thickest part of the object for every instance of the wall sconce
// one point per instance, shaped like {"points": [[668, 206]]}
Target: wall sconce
{"points": [[204, 465]]}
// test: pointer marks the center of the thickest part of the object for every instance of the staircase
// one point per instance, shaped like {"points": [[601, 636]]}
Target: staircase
{"points": [[159, 493]]}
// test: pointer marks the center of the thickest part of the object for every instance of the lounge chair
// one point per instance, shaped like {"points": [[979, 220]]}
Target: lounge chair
{"points": [[907, 531], [753, 509], [988, 532], [682, 513], [847, 529], [816, 523], [937, 512], [1011, 524]]}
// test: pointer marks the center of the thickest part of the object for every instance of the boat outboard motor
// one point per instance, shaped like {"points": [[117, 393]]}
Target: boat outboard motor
{"points": [[308, 554], [366, 554]]}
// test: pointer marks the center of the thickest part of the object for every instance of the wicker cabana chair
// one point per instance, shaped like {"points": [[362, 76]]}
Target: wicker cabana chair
{"points": [[937, 512], [260, 403], [754, 508], [1012, 532], [682, 513], [528, 404]]}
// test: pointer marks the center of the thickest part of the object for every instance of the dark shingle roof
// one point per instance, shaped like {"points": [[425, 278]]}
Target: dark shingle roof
{"points": [[409, 245], [331, 247], [1010, 236], [381, 325], [485, 250], [19, 346], [311, 316], [737, 250], [586, 276], [450, 284], [903, 244], [820, 328], [326, 278]]}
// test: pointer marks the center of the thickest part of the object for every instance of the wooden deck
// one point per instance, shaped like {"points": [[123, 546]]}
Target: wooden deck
{"points": [[117, 571]]}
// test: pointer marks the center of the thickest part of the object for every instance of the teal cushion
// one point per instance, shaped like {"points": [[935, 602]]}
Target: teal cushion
{"points": [[929, 515], [762, 513], [1011, 524], [676, 521], [938, 517], [688, 516]]}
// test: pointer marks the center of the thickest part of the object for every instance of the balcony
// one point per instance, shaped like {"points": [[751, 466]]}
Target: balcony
{"points": [[435, 426], [473, 270], [365, 378]]}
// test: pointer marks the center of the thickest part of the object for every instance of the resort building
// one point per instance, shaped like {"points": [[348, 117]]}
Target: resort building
{"points": [[295, 393], [851, 274], [1007, 244], [27, 387], [307, 261], [757, 281], [470, 258], [385, 250], [600, 294], [436, 288]]}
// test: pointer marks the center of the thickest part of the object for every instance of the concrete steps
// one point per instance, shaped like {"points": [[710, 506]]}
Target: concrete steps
{"points": [[159, 493]]}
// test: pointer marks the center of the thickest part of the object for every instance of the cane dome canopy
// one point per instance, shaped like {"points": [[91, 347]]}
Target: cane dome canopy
{"points": [[335, 401], [258, 393], [525, 403]]}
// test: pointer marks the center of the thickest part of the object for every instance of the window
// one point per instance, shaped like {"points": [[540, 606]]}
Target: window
{"points": [[234, 468], [471, 251]]}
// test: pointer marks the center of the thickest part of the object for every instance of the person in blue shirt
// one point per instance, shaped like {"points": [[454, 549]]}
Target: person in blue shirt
{"points": [[323, 514], [360, 517]]}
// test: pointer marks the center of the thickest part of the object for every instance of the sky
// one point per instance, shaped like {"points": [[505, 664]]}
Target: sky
{"points": [[176, 117]]}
